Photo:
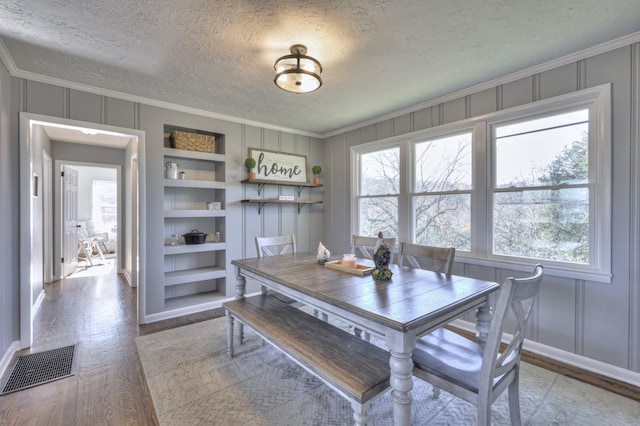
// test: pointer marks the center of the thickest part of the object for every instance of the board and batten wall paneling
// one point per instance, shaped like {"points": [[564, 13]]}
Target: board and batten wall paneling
{"points": [[581, 317]]}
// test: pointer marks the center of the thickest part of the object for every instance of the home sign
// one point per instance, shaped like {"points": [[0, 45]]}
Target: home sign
{"points": [[279, 166]]}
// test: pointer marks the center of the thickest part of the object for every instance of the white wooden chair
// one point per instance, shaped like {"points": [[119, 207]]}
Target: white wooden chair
{"points": [[363, 246], [475, 373], [438, 259], [273, 246]]}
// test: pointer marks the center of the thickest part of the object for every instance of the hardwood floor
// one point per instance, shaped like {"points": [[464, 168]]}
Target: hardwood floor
{"points": [[97, 313]]}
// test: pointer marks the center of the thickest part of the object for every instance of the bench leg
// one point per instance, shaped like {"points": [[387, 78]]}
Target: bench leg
{"points": [[360, 412], [229, 335]]}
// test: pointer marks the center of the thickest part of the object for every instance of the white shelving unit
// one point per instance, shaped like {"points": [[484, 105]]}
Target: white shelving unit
{"points": [[194, 274]]}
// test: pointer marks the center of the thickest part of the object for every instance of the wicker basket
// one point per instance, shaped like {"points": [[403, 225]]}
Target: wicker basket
{"points": [[192, 141]]}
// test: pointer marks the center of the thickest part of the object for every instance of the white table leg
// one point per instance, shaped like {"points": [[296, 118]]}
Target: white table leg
{"points": [[483, 322], [400, 347], [241, 287]]}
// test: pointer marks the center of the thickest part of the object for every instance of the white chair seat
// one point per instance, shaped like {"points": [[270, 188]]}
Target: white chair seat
{"points": [[448, 355]]}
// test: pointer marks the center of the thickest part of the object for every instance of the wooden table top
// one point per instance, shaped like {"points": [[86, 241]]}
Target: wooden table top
{"points": [[412, 298]]}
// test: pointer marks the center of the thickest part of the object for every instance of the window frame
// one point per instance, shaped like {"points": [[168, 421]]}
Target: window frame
{"points": [[597, 99]]}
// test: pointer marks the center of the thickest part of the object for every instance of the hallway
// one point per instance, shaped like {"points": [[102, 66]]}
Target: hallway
{"points": [[98, 313]]}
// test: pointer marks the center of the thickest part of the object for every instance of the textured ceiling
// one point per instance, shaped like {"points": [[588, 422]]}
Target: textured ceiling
{"points": [[378, 56]]}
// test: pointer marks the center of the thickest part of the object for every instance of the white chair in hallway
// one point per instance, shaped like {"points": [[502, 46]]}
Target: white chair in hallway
{"points": [[480, 373]]}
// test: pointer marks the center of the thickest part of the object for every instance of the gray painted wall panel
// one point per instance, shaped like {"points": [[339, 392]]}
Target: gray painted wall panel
{"points": [[517, 92], [454, 110], [483, 102], [559, 81], [422, 119], [384, 129], [45, 99], [120, 113], [85, 106], [402, 124]]}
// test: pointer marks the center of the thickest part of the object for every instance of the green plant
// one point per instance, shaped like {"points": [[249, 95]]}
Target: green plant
{"points": [[250, 163], [316, 170]]}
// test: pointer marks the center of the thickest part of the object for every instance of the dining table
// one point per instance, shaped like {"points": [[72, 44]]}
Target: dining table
{"points": [[399, 310]]}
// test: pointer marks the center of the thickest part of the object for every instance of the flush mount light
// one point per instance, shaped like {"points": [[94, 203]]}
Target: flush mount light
{"points": [[297, 72]]}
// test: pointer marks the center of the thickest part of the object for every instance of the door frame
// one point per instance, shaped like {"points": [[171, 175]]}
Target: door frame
{"points": [[29, 242]]}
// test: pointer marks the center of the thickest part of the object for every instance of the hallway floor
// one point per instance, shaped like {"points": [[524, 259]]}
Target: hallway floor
{"points": [[99, 314]]}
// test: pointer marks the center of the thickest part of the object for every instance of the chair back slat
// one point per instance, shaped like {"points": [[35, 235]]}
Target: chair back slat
{"points": [[363, 246], [270, 246], [438, 259], [516, 295]]}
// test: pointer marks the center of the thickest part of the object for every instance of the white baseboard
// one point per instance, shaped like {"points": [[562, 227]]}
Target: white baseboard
{"points": [[127, 277], [8, 356], [589, 364]]}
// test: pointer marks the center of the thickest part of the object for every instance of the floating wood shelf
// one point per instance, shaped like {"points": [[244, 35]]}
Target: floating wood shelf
{"points": [[261, 183], [262, 202]]}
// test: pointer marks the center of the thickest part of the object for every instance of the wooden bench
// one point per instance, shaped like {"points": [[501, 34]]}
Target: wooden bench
{"points": [[357, 370]]}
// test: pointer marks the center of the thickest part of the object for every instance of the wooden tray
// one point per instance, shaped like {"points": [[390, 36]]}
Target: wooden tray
{"points": [[360, 270]]}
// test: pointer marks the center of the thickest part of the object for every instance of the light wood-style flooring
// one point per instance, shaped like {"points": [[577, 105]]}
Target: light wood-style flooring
{"points": [[99, 314]]}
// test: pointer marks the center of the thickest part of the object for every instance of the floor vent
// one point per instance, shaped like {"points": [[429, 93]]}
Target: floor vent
{"points": [[38, 368]]}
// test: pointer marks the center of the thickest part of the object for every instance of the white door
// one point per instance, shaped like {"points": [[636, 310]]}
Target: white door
{"points": [[70, 219]]}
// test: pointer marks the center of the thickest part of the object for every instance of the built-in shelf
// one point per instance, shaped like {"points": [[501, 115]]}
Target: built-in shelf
{"points": [[193, 248], [190, 300], [194, 213], [194, 274]]}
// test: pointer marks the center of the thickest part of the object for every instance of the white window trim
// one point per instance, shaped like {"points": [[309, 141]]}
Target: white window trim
{"points": [[597, 99]]}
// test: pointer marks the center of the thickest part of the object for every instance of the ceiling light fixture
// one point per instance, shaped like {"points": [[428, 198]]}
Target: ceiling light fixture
{"points": [[297, 72]]}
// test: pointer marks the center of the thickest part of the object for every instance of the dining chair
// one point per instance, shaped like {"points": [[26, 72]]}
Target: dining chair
{"points": [[437, 259], [363, 246], [480, 373], [272, 246]]}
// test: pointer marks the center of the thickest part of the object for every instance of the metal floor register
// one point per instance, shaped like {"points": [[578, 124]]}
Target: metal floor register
{"points": [[39, 368]]}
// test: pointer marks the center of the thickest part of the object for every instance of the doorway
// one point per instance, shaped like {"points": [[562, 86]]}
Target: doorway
{"points": [[36, 135], [96, 249]]}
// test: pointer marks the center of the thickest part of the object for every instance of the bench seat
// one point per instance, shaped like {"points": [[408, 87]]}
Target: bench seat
{"points": [[356, 369]]}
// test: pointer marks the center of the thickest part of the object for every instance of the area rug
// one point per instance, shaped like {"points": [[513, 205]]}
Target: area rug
{"points": [[193, 382]]}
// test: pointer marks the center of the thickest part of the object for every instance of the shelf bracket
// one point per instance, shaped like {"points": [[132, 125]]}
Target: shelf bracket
{"points": [[300, 188], [300, 207], [260, 186], [260, 206]]}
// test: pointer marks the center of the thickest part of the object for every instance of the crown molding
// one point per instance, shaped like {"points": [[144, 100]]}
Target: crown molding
{"points": [[527, 72], [555, 63]]}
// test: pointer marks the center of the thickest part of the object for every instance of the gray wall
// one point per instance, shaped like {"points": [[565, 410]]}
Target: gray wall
{"points": [[591, 319], [242, 223], [595, 320], [9, 230]]}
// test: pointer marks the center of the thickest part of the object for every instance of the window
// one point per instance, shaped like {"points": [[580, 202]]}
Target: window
{"points": [[378, 189], [542, 188], [441, 196], [105, 204], [527, 184]]}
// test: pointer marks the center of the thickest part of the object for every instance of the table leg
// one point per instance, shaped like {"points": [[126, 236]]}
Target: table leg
{"points": [[241, 287], [483, 322], [401, 384]]}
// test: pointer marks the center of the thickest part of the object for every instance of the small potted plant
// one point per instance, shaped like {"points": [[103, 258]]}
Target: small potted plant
{"points": [[316, 170], [250, 164]]}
